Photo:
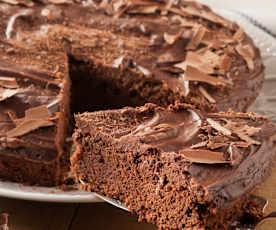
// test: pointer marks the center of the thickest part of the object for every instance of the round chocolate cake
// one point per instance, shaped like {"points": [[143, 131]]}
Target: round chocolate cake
{"points": [[60, 58]]}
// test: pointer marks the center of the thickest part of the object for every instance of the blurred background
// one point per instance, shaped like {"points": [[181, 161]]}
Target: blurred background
{"points": [[263, 11]]}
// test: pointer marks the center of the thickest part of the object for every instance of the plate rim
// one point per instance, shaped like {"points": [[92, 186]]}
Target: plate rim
{"points": [[45, 194]]}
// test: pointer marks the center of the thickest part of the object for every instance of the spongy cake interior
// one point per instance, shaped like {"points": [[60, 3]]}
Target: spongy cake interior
{"points": [[152, 183]]}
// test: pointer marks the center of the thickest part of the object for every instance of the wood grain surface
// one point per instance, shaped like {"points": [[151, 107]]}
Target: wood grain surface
{"points": [[30, 215]]}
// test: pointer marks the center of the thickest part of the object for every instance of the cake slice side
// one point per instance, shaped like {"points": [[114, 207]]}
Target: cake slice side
{"points": [[146, 161], [34, 114]]}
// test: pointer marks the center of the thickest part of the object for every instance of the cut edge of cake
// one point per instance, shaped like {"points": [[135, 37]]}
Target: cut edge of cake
{"points": [[200, 187]]}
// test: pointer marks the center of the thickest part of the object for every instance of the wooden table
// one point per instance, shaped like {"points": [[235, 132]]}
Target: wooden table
{"points": [[30, 215]]}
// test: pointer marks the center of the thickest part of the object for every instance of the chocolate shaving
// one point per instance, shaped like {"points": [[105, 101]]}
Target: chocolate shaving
{"points": [[172, 69], [183, 22], [213, 60], [198, 34], [28, 3], [8, 82], [171, 39], [34, 118], [206, 94], [118, 5], [168, 58], [241, 144], [60, 1], [204, 60], [106, 6], [145, 3], [210, 16], [243, 131], [178, 11], [208, 38], [120, 10], [167, 7], [199, 145], [12, 115], [239, 35], [204, 156], [28, 126], [211, 57], [216, 145], [143, 10], [230, 114], [193, 74], [225, 62], [40, 112], [194, 59], [7, 93], [217, 140], [248, 54], [219, 127]]}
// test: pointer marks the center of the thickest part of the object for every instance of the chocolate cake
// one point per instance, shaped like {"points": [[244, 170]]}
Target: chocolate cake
{"points": [[61, 59], [178, 168]]}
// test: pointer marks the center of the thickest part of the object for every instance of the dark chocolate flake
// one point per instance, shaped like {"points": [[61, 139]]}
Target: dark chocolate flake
{"points": [[171, 39], [34, 118], [193, 74], [7, 93], [204, 156], [248, 54], [239, 35], [217, 126], [172, 69], [198, 34], [183, 21], [143, 10], [8, 82]]}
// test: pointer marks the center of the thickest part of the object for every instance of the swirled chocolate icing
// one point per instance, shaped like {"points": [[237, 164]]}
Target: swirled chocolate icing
{"points": [[168, 130]]}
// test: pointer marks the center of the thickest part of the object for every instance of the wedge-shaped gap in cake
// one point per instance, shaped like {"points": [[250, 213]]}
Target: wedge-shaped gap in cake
{"points": [[101, 87]]}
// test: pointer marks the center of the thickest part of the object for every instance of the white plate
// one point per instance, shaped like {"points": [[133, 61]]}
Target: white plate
{"points": [[19, 191], [265, 105]]}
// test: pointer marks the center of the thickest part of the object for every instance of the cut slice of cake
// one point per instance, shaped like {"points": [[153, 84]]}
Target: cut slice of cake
{"points": [[177, 168], [34, 114]]}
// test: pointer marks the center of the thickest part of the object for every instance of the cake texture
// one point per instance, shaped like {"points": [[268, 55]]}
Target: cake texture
{"points": [[177, 168], [61, 59]]}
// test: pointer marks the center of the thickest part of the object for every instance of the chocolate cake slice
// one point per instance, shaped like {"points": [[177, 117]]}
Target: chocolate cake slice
{"points": [[61, 59], [178, 168], [34, 115]]}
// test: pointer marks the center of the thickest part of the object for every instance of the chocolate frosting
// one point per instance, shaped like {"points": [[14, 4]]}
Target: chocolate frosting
{"points": [[153, 40], [85, 31], [169, 131]]}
